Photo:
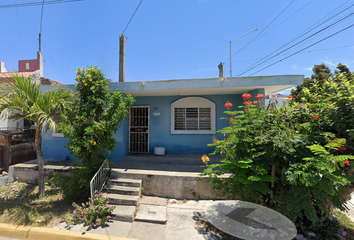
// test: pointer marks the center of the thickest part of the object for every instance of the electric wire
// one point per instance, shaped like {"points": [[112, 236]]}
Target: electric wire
{"points": [[304, 49], [132, 16], [286, 19], [53, 62], [30, 4], [299, 36], [312, 35], [18, 26], [40, 31], [265, 27]]}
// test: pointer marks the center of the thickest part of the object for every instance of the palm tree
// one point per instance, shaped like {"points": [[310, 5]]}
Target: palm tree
{"points": [[22, 99]]}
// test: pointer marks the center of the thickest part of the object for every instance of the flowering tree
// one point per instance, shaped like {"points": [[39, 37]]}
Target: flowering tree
{"points": [[276, 160], [90, 123]]}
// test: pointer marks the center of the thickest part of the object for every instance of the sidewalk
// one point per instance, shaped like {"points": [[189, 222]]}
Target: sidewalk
{"points": [[181, 219]]}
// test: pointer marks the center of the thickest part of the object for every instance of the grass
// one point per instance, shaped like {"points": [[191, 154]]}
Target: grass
{"points": [[20, 205]]}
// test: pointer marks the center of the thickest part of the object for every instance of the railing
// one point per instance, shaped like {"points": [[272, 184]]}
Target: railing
{"points": [[100, 178]]}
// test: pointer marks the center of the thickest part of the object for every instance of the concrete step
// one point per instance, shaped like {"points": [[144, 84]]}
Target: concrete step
{"points": [[125, 182], [124, 213], [119, 199], [123, 190]]}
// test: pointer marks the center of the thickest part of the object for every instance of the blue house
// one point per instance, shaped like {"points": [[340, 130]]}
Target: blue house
{"points": [[182, 116]]}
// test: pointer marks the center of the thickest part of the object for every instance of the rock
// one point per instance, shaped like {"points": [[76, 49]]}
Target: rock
{"points": [[310, 234], [339, 237], [342, 233], [4, 173], [300, 237]]}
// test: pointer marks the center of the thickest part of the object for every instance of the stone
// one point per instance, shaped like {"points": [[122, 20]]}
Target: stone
{"points": [[311, 234], [11, 174], [339, 237], [342, 233], [300, 237], [4, 173]]}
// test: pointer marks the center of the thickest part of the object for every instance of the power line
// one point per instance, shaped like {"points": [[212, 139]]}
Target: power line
{"points": [[312, 35], [303, 33], [30, 4], [299, 36], [265, 27], [286, 19], [18, 26], [54, 62], [132, 16], [40, 31], [304, 48]]}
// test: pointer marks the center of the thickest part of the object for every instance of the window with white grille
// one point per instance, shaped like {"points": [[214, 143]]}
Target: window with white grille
{"points": [[192, 119], [193, 115]]}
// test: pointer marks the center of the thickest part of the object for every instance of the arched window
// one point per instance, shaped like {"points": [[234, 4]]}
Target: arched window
{"points": [[193, 115]]}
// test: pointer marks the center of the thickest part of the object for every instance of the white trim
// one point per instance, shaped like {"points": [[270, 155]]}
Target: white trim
{"points": [[190, 102], [57, 135]]}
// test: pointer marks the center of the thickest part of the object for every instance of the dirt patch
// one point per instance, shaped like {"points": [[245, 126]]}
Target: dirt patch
{"points": [[20, 205]]}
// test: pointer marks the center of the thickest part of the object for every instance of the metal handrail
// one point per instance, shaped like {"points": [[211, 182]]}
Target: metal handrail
{"points": [[100, 178]]}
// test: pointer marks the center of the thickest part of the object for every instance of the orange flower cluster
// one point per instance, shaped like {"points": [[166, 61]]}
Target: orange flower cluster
{"points": [[246, 96], [205, 159], [228, 105]]}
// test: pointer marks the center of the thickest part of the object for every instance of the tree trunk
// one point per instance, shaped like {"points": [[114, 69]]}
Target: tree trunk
{"points": [[38, 145]]}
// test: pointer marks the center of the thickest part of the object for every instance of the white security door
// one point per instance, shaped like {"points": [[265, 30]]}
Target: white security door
{"points": [[139, 129]]}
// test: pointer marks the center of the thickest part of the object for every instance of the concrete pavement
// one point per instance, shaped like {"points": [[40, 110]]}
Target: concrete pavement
{"points": [[181, 219]]}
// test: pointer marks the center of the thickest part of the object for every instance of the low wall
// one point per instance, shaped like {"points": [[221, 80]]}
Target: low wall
{"points": [[172, 184], [155, 183], [28, 172]]}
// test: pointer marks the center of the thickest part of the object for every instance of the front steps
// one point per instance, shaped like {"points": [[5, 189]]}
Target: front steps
{"points": [[124, 194]]}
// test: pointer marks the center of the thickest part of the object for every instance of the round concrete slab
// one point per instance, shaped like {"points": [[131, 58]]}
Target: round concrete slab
{"points": [[249, 221]]}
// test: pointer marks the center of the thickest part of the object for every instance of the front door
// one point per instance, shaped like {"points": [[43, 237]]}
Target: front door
{"points": [[139, 129]]}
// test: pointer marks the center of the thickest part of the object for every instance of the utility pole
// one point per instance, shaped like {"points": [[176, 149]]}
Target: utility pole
{"points": [[122, 58]]}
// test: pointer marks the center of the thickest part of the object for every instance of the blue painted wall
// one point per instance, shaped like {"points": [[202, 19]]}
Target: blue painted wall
{"points": [[160, 129]]}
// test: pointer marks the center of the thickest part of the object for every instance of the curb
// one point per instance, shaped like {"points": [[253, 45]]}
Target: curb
{"points": [[40, 233]]}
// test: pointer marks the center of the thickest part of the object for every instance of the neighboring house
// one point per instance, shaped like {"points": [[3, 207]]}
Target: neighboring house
{"points": [[279, 100], [26, 68], [182, 116]]}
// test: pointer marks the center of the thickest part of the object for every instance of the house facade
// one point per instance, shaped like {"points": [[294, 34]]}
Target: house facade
{"points": [[32, 68], [182, 116]]}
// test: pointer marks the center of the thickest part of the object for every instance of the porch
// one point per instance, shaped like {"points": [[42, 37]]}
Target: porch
{"points": [[171, 176]]}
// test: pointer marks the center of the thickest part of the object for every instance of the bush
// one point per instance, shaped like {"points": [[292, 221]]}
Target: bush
{"points": [[278, 161], [90, 123], [95, 212]]}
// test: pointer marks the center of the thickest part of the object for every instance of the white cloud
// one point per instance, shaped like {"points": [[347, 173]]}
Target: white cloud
{"points": [[329, 62], [308, 69]]}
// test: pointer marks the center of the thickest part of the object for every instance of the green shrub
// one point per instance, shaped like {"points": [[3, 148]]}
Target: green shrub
{"points": [[94, 212], [278, 161]]}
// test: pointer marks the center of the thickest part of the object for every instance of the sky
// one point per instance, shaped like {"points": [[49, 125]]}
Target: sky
{"points": [[181, 39]]}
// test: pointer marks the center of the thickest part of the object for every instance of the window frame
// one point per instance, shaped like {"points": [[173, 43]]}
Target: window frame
{"points": [[193, 102], [56, 134]]}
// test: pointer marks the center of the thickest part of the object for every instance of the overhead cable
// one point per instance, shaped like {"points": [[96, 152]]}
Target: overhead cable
{"points": [[30, 4], [304, 48], [294, 39], [132, 16], [312, 35]]}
